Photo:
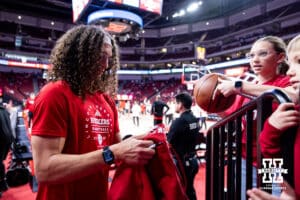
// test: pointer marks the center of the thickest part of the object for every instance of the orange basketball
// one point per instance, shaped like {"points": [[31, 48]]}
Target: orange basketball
{"points": [[203, 92]]}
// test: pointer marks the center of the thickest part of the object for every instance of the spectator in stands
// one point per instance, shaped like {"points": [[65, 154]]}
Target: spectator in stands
{"points": [[75, 133], [158, 110], [6, 138], [283, 118], [183, 135], [265, 56], [29, 107]]}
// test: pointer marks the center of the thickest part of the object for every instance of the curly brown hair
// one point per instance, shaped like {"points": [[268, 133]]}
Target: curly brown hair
{"points": [[76, 58]]}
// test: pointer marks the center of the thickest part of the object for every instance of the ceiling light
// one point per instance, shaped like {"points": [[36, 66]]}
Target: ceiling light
{"points": [[192, 7], [181, 13], [164, 50], [175, 15], [20, 17]]}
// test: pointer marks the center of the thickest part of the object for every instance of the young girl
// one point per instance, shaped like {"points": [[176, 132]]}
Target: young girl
{"points": [[282, 119]]}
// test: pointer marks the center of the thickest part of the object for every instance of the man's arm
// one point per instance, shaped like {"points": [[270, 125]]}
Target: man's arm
{"points": [[52, 166], [153, 108], [174, 134], [167, 108]]}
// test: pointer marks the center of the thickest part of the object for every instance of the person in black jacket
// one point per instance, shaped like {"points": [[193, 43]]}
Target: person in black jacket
{"points": [[158, 110], [183, 135], [6, 138]]}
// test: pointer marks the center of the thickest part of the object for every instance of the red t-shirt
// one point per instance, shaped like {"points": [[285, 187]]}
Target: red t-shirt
{"points": [[279, 81], [29, 104], [270, 146], [87, 125]]}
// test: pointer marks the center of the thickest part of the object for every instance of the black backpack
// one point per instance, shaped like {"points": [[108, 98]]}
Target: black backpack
{"points": [[6, 135]]}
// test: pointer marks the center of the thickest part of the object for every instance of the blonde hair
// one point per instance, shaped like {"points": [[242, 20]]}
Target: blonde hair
{"points": [[294, 44]]}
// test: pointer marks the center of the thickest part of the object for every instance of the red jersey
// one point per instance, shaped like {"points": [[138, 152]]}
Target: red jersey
{"points": [[270, 146], [279, 81], [158, 179], [87, 125]]}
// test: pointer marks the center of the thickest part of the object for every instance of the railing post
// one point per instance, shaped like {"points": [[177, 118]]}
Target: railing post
{"points": [[230, 162], [215, 163], [208, 155], [238, 155], [249, 157], [264, 109], [221, 162]]}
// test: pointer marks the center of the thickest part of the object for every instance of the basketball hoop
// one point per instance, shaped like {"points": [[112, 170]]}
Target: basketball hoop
{"points": [[190, 86]]}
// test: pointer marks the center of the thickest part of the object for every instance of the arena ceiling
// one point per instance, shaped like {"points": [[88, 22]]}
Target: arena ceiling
{"points": [[39, 36], [62, 10]]}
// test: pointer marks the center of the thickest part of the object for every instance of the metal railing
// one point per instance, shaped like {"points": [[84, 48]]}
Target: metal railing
{"points": [[224, 148]]}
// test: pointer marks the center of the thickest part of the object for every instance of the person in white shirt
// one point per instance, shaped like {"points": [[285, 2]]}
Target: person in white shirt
{"points": [[136, 111]]}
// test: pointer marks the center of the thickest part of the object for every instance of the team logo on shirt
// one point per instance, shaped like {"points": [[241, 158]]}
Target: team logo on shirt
{"points": [[98, 124]]}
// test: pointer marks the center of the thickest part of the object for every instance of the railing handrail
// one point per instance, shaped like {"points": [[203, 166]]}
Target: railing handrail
{"points": [[218, 135], [277, 94]]}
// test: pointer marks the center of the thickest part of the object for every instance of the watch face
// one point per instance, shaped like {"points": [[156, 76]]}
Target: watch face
{"points": [[108, 156], [238, 84]]}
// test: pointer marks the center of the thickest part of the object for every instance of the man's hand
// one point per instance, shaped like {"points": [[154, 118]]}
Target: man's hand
{"points": [[284, 117], [133, 151]]}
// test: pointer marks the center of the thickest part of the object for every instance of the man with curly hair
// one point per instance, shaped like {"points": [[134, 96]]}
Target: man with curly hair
{"points": [[75, 133]]}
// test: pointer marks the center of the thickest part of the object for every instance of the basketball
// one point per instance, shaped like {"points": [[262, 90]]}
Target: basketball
{"points": [[203, 93]]}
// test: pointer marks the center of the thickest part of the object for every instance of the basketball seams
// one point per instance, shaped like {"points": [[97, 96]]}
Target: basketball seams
{"points": [[211, 96], [201, 85]]}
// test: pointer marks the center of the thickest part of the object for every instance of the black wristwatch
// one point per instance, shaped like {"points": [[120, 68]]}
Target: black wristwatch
{"points": [[108, 156], [238, 85]]}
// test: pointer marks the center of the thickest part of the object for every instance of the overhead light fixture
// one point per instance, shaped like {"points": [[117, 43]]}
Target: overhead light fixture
{"points": [[193, 7], [181, 13]]}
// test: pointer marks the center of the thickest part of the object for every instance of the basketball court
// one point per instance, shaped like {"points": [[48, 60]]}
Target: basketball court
{"points": [[127, 127]]}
